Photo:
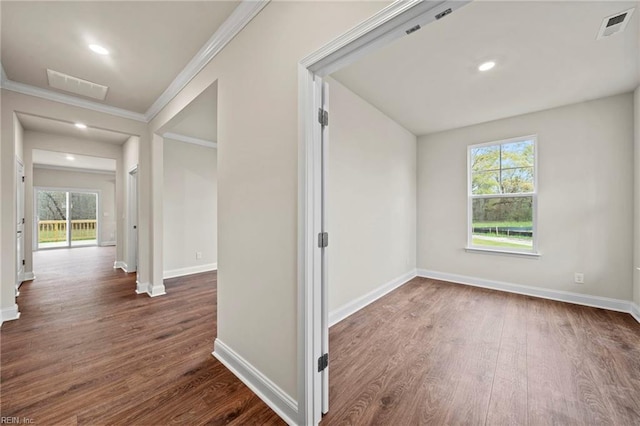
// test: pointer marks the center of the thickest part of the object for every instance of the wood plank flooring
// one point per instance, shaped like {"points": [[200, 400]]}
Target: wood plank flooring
{"points": [[87, 350], [436, 353]]}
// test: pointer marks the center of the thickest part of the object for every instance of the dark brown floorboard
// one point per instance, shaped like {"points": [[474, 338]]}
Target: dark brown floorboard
{"points": [[436, 353], [87, 350]]}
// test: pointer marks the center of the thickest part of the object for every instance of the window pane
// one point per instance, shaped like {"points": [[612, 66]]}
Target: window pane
{"points": [[518, 180], [83, 218], [503, 223], [517, 154], [485, 183], [485, 158]]}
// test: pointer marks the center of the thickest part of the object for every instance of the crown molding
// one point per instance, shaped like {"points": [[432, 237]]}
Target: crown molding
{"points": [[241, 16], [27, 89], [189, 139], [74, 169]]}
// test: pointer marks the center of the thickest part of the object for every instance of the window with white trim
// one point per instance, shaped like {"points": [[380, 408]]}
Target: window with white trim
{"points": [[502, 195]]}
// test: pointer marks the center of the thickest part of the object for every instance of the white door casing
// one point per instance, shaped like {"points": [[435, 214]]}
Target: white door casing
{"points": [[20, 224], [395, 21], [132, 259]]}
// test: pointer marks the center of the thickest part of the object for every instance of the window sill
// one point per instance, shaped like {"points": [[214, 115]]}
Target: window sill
{"points": [[533, 255]]}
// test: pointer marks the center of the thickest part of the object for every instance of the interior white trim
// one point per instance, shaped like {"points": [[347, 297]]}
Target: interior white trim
{"points": [[635, 311], [141, 288], [107, 243], [277, 399], [543, 293], [9, 314], [50, 95], [155, 290], [390, 23], [121, 264], [238, 19], [28, 276], [354, 306], [74, 169], [181, 272], [189, 139]]}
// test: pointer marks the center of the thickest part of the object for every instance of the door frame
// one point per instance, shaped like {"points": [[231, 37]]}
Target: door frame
{"points": [[98, 193], [20, 199], [132, 213], [389, 24]]}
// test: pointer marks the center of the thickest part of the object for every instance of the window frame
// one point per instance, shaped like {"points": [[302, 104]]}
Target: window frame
{"points": [[534, 199]]}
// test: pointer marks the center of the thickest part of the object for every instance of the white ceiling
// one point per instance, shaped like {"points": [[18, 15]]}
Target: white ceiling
{"points": [[150, 42], [199, 119], [63, 160], [546, 52], [64, 128]]}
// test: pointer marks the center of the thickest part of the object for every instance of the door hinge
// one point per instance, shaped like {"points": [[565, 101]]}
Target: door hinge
{"points": [[23, 262], [323, 117], [443, 14], [323, 239], [323, 362], [23, 178], [23, 220]]}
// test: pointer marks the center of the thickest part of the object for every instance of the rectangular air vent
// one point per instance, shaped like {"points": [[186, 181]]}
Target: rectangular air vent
{"points": [[614, 24], [76, 85]]}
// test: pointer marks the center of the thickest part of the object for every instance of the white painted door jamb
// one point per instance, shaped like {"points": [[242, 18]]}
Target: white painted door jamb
{"points": [[387, 25]]}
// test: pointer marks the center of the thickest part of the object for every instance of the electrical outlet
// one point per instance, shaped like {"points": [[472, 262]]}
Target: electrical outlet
{"points": [[198, 255], [578, 277]]}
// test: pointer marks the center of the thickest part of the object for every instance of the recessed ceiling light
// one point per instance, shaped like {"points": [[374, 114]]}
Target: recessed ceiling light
{"points": [[81, 126], [70, 157], [486, 66], [98, 49]]}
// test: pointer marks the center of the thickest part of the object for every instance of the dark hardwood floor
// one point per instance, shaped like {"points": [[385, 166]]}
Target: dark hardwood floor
{"points": [[436, 353], [87, 350]]}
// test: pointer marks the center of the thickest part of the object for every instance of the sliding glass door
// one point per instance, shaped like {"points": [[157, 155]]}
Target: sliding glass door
{"points": [[66, 218]]}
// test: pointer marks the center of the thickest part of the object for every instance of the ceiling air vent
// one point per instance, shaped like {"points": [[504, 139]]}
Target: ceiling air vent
{"points": [[614, 24], [76, 85]]}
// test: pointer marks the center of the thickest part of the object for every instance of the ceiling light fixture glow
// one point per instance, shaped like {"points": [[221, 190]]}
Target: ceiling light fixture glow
{"points": [[98, 49], [80, 126], [70, 157], [486, 66]]}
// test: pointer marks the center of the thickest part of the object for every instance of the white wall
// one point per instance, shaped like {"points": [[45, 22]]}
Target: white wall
{"points": [[585, 202], [258, 175], [190, 208], [104, 182], [636, 115], [371, 197]]}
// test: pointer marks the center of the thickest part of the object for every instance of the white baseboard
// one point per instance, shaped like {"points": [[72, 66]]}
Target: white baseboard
{"points": [[279, 401], [635, 311], [354, 306], [120, 264], [29, 276], [107, 243], [544, 293], [9, 314], [181, 272], [153, 290], [141, 288]]}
